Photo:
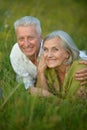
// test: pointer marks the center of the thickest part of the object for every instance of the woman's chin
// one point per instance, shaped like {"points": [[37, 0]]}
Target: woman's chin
{"points": [[51, 66]]}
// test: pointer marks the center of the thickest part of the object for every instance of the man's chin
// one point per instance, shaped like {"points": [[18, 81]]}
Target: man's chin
{"points": [[29, 54]]}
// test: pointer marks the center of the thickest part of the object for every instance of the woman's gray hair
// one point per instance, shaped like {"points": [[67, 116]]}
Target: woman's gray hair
{"points": [[67, 43], [28, 20]]}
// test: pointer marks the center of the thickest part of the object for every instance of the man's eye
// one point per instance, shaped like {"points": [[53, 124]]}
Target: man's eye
{"points": [[31, 38], [21, 39]]}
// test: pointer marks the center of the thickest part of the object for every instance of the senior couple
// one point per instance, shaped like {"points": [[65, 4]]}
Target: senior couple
{"points": [[49, 66]]}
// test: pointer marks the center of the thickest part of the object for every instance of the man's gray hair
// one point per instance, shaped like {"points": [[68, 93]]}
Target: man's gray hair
{"points": [[28, 20], [67, 43]]}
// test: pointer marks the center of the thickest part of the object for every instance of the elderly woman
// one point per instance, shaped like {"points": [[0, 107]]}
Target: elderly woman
{"points": [[58, 65]]}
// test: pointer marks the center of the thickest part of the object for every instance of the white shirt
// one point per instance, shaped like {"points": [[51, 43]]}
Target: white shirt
{"points": [[83, 55], [23, 67]]}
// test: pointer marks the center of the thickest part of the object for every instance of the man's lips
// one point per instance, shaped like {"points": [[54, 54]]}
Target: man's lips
{"points": [[28, 49]]}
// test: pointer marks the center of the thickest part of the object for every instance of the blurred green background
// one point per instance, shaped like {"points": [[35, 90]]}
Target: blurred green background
{"points": [[67, 15]]}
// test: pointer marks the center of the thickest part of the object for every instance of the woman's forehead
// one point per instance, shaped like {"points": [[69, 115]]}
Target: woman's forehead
{"points": [[55, 40]]}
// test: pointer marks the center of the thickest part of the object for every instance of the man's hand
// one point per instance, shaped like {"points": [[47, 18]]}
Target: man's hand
{"points": [[81, 75]]}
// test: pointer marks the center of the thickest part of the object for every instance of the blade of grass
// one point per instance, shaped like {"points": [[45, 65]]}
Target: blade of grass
{"points": [[12, 92]]}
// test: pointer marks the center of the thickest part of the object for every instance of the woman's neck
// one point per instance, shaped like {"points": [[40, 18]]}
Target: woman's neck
{"points": [[61, 71]]}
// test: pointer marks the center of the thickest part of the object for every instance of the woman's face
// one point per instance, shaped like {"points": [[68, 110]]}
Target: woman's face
{"points": [[54, 53]]}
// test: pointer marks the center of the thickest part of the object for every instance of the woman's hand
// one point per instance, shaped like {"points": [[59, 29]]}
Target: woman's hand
{"points": [[41, 80], [41, 65], [40, 92]]}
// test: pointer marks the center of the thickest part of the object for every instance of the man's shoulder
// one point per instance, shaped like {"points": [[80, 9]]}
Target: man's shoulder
{"points": [[15, 47], [15, 50]]}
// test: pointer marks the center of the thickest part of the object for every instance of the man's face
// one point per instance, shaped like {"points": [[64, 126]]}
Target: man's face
{"points": [[28, 40]]}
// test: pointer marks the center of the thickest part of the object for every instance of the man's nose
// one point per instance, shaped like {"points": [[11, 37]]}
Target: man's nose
{"points": [[26, 42]]}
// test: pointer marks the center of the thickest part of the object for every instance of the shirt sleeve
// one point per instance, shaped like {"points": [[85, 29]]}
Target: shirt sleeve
{"points": [[28, 82], [83, 55], [27, 78]]}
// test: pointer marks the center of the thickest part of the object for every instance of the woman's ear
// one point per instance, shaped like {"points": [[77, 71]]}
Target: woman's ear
{"points": [[67, 56]]}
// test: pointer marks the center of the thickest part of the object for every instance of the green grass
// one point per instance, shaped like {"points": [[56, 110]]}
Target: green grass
{"points": [[18, 109]]}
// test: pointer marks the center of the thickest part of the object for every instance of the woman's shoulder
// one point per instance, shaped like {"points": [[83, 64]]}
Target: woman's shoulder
{"points": [[76, 64]]}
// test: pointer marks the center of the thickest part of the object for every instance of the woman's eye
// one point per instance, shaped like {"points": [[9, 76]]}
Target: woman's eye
{"points": [[45, 49], [55, 49]]}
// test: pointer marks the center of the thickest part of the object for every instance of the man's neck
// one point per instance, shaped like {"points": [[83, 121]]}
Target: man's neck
{"points": [[33, 59]]}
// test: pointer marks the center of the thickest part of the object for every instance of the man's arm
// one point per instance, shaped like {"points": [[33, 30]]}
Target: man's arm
{"points": [[81, 75]]}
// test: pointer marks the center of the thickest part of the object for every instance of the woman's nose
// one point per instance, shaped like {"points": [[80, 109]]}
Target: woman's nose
{"points": [[49, 54]]}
